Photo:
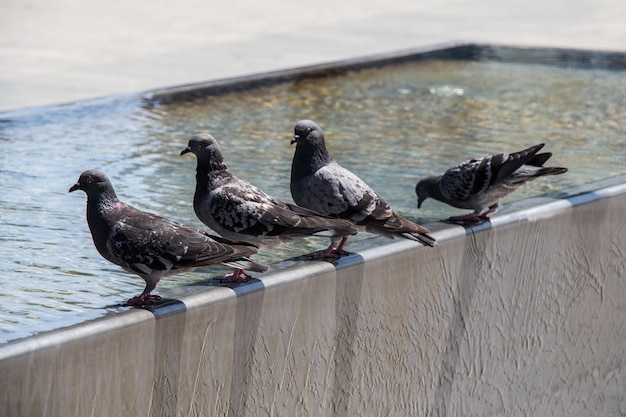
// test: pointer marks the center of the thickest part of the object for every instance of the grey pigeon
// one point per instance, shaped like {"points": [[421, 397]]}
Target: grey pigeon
{"points": [[238, 210], [480, 184], [152, 246], [319, 183]]}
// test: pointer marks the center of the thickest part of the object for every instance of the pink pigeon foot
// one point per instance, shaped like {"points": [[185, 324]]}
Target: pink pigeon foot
{"points": [[331, 252], [141, 300], [237, 276], [470, 218]]}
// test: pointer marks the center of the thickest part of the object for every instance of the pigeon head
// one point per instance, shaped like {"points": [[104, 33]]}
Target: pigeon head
{"points": [[308, 132], [425, 188], [311, 153], [94, 183], [205, 147]]}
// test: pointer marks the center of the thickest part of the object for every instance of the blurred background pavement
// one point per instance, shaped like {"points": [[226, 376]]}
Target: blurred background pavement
{"points": [[56, 51]]}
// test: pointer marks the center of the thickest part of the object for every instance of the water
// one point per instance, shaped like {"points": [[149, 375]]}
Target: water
{"points": [[391, 126]]}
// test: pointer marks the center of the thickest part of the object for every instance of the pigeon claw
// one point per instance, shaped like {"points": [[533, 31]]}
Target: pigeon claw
{"points": [[470, 218], [238, 276], [332, 252], [142, 300], [475, 217]]}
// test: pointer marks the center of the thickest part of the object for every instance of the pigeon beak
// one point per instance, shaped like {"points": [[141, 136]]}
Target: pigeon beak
{"points": [[295, 139], [419, 202], [186, 150], [74, 188]]}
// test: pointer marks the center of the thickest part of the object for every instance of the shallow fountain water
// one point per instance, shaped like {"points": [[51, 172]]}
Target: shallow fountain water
{"points": [[390, 125]]}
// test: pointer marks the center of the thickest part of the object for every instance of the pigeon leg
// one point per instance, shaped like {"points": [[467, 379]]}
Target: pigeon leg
{"points": [[238, 276], [492, 209], [145, 298], [339, 251], [331, 252]]}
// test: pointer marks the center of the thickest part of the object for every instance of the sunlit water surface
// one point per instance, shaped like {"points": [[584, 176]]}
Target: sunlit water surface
{"points": [[391, 126]]}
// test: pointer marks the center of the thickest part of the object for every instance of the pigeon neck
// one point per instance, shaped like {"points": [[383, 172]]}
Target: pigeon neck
{"points": [[208, 169], [434, 190], [308, 158], [102, 201], [212, 163], [101, 214]]}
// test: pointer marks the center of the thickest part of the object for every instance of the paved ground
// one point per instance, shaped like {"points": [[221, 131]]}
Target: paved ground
{"points": [[56, 51]]}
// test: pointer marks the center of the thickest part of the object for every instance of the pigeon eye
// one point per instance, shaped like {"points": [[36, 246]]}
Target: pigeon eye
{"points": [[90, 180], [200, 146]]}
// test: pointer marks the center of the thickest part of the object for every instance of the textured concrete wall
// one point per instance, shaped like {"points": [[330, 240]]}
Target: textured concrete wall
{"points": [[524, 317]]}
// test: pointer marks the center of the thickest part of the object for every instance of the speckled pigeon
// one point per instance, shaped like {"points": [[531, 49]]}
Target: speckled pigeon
{"points": [[319, 183], [480, 184], [238, 210], [152, 246]]}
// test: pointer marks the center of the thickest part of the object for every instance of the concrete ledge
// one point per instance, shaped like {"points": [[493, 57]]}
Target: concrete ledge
{"points": [[525, 316]]}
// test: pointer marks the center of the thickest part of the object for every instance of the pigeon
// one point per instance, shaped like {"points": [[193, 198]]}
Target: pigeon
{"points": [[320, 184], [152, 246], [480, 184], [239, 210]]}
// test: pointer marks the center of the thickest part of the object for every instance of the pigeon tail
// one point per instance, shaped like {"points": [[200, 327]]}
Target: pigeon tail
{"points": [[551, 171], [424, 238], [503, 165], [539, 159], [397, 225]]}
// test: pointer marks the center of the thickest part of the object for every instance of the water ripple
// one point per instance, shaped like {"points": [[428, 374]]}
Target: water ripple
{"points": [[390, 125]]}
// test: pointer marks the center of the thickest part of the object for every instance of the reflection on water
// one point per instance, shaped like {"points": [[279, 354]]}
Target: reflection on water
{"points": [[391, 126]]}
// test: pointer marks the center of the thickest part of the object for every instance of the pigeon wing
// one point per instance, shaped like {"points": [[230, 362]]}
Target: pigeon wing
{"points": [[504, 165], [245, 209], [467, 179], [333, 190], [144, 243]]}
